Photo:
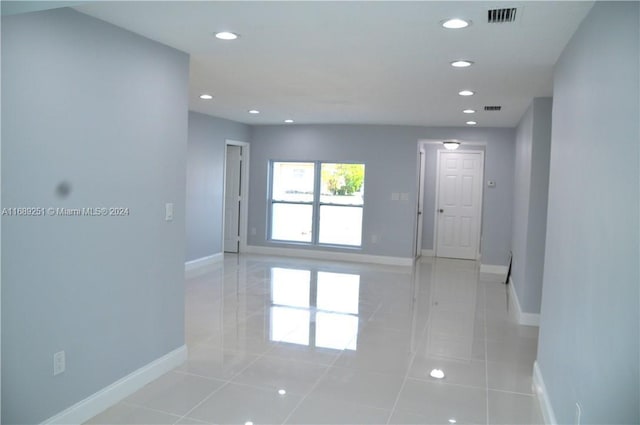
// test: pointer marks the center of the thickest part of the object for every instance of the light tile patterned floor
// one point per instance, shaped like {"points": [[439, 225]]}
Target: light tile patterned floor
{"points": [[276, 340]]}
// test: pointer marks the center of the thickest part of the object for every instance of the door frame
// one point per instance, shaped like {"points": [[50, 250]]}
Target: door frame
{"points": [[417, 246], [244, 192], [437, 202]]}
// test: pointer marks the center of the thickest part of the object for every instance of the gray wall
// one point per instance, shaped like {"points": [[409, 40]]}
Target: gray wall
{"points": [[205, 178], [390, 155], [531, 187], [588, 344], [105, 110]]}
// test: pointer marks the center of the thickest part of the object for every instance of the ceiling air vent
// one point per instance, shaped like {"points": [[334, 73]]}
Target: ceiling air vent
{"points": [[498, 16], [492, 108]]}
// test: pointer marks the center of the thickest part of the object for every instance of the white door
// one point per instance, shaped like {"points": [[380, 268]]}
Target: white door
{"points": [[232, 198], [459, 204]]}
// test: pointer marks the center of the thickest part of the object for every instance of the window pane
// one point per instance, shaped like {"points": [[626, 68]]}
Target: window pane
{"points": [[340, 225], [291, 222], [289, 325], [342, 184], [293, 181], [337, 331], [338, 292], [290, 287]]}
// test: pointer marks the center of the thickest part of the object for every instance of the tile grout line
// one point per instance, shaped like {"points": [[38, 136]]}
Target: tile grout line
{"points": [[406, 375], [404, 382], [313, 387], [447, 384], [226, 383], [151, 409], [328, 367]]}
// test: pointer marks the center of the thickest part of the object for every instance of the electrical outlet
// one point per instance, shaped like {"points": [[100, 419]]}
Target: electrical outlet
{"points": [[59, 363], [578, 414], [168, 211], [374, 238]]}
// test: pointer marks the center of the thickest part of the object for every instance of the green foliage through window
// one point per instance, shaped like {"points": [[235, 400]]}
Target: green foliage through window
{"points": [[342, 179]]}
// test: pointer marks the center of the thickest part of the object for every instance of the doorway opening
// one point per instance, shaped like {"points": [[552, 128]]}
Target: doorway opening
{"points": [[450, 200]]}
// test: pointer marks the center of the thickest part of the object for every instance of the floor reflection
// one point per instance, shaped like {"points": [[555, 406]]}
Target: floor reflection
{"points": [[272, 340], [452, 313], [314, 308]]}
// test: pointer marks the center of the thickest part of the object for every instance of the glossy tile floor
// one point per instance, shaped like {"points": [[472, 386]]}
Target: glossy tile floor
{"points": [[275, 340]]}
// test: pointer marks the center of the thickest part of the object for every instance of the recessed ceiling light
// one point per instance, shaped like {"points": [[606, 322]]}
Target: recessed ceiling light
{"points": [[282, 391], [461, 64], [466, 93], [437, 373], [206, 96], [226, 35], [288, 121], [455, 23], [469, 111], [248, 423], [452, 421], [254, 111], [471, 123]]}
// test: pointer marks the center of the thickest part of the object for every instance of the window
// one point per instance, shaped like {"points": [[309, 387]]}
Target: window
{"points": [[317, 202]]}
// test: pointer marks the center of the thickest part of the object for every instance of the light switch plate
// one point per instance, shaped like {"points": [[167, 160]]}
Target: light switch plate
{"points": [[59, 363]]}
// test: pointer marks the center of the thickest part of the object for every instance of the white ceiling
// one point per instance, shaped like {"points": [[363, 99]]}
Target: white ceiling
{"points": [[376, 62]]}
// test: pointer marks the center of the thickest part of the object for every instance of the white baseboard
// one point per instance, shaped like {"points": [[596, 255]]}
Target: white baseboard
{"points": [[428, 253], [329, 255], [494, 269], [543, 396], [119, 390], [527, 319], [202, 265]]}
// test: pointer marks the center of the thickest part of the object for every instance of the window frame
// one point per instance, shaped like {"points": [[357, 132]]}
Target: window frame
{"points": [[316, 203]]}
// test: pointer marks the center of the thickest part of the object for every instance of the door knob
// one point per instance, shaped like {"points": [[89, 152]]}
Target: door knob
{"points": [[441, 210]]}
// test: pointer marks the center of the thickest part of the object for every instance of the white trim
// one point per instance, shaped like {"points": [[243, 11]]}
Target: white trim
{"points": [[419, 227], [201, 265], [330, 255], [494, 269], [119, 390], [526, 319], [540, 388], [428, 253], [244, 190]]}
